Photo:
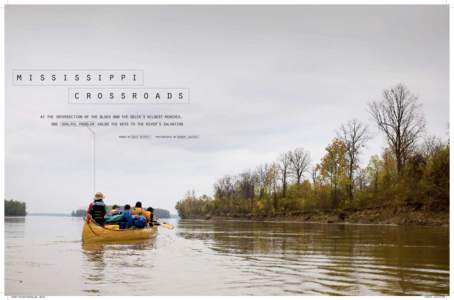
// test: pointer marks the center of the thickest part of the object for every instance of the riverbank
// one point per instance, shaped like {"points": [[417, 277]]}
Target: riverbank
{"points": [[406, 215]]}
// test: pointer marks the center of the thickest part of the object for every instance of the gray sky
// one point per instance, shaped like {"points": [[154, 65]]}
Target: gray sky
{"points": [[263, 80]]}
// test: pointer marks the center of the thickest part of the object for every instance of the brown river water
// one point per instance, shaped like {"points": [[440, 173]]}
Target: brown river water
{"points": [[45, 256]]}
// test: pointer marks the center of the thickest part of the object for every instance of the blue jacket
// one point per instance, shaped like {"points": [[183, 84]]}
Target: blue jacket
{"points": [[127, 218], [140, 221]]}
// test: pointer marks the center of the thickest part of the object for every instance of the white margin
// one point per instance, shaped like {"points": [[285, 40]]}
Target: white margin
{"points": [[176, 2]]}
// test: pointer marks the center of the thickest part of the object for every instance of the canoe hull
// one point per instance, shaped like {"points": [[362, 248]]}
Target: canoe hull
{"points": [[92, 233]]}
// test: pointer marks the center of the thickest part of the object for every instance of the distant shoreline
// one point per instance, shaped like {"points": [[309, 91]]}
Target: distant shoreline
{"points": [[43, 214]]}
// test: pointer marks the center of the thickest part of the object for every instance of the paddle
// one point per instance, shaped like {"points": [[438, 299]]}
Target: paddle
{"points": [[164, 224], [168, 226]]}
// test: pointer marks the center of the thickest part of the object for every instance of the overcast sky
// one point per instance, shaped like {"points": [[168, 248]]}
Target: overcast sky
{"points": [[263, 80]]}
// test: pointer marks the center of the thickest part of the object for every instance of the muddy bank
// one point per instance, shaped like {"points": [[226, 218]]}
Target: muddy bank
{"points": [[407, 215]]}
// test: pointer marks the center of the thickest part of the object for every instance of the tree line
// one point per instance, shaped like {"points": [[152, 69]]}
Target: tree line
{"points": [[413, 170], [15, 208], [78, 213]]}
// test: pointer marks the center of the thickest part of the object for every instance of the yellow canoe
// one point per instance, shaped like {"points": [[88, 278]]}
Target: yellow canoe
{"points": [[92, 232]]}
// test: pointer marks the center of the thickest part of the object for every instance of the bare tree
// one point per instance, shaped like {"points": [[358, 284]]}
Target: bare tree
{"points": [[261, 174], [398, 117], [355, 135], [284, 170], [362, 179], [224, 189], [430, 145], [246, 187], [271, 178], [299, 160], [314, 173]]}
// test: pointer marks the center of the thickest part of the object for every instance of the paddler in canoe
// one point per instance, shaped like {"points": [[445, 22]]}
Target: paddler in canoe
{"points": [[97, 209], [118, 225]]}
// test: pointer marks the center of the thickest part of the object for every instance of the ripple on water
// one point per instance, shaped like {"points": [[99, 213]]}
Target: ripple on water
{"points": [[230, 258]]}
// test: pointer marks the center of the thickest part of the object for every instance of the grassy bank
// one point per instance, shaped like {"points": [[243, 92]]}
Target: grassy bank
{"points": [[407, 215]]}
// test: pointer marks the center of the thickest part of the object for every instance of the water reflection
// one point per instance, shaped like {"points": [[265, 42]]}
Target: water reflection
{"points": [[332, 259], [107, 262], [227, 258], [14, 219]]}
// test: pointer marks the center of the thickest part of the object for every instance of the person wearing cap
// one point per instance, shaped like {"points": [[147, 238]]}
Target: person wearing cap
{"points": [[97, 209]]}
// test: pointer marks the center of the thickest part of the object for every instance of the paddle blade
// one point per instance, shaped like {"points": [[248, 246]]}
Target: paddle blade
{"points": [[168, 226]]}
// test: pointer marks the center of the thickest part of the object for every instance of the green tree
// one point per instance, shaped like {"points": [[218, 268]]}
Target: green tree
{"points": [[333, 169], [15, 208]]}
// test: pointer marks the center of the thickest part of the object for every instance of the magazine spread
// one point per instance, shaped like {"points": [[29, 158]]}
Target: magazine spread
{"points": [[226, 150]]}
